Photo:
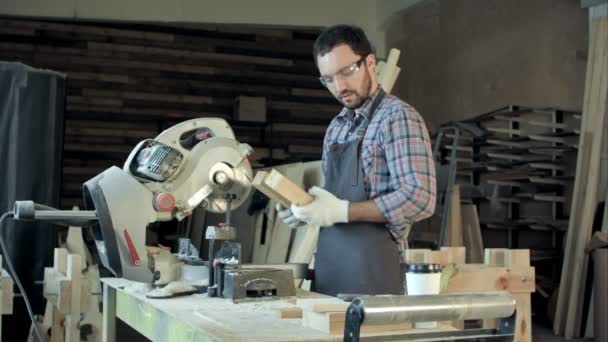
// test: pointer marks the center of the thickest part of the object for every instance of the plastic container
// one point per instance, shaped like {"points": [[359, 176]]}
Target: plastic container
{"points": [[423, 279]]}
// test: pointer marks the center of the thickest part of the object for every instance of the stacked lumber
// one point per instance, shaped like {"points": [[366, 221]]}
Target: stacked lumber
{"points": [[570, 303], [127, 82]]}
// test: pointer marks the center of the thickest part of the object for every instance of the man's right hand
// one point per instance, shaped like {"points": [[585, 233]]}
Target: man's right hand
{"points": [[287, 217]]}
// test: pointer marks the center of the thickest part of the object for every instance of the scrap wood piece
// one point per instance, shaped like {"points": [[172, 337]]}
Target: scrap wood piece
{"points": [[320, 305], [6, 292], [333, 323], [292, 312], [280, 188]]}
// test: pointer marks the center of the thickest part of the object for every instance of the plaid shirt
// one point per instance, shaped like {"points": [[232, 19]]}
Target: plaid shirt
{"points": [[398, 166]]}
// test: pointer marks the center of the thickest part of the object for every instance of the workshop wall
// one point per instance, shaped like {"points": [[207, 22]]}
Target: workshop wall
{"points": [[461, 58], [126, 83]]}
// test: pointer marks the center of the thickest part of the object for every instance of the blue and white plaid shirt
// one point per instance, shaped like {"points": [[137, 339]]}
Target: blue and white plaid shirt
{"points": [[397, 159]]}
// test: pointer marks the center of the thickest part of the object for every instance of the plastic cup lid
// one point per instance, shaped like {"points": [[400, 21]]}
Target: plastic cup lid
{"points": [[423, 268]]}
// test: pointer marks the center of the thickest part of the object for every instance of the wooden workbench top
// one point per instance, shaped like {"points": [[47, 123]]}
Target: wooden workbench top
{"points": [[199, 318]]}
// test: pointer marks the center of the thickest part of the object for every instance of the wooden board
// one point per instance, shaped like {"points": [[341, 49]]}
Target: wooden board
{"points": [[473, 241], [278, 250], [333, 323], [280, 189], [514, 259], [454, 223], [482, 278], [570, 299]]}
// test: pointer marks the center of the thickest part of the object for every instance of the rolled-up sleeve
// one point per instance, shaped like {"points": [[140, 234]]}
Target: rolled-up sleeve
{"points": [[409, 158]]}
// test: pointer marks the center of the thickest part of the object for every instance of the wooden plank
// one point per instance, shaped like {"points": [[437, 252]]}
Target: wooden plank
{"points": [[473, 241], [568, 310], [482, 278], [514, 259], [547, 166], [510, 131], [597, 108], [74, 267], [523, 319], [454, 223], [553, 180], [504, 183], [274, 184], [550, 198], [333, 323], [279, 241]]}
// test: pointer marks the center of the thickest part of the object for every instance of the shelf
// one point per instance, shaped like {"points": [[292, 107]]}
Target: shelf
{"points": [[551, 180]]}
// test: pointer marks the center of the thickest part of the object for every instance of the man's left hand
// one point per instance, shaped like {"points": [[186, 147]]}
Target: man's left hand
{"points": [[325, 210]]}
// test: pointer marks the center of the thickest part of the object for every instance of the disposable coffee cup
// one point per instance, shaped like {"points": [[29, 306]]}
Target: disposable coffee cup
{"points": [[423, 279]]}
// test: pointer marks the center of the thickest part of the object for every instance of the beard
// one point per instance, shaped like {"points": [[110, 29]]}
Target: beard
{"points": [[354, 98]]}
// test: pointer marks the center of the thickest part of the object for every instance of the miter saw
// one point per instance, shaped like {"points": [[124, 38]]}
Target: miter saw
{"points": [[197, 163]]}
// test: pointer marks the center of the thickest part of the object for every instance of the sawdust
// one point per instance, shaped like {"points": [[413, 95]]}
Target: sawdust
{"points": [[231, 261], [173, 288], [137, 288]]}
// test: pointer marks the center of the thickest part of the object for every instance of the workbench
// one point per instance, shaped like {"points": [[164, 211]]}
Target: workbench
{"points": [[199, 318]]}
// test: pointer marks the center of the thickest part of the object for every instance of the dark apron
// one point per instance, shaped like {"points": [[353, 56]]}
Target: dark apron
{"points": [[355, 258]]}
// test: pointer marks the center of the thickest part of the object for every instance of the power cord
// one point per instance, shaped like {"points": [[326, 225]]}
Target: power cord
{"points": [[11, 269]]}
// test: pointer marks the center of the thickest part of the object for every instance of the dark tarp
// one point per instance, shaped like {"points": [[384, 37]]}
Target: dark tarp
{"points": [[32, 103]]}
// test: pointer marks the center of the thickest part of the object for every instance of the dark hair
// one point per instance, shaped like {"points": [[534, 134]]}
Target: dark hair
{"points": [[333, 36]]}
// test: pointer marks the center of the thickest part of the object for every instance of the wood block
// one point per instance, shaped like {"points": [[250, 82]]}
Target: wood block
{"points": [[482, 278], [333, 323], [294, 312], [327, 304], [280, 189]]}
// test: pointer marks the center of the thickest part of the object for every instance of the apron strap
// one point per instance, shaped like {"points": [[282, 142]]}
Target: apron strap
{"points": [[363, 129]]}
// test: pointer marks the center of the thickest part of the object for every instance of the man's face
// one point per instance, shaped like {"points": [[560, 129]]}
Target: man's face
{"points": [[348, 76]]}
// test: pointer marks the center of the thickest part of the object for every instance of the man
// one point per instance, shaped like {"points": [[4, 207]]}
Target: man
{"points": [[378, 170]]}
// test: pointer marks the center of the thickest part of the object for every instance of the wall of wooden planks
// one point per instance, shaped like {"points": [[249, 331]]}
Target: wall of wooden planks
{"points": [[127, 82]]}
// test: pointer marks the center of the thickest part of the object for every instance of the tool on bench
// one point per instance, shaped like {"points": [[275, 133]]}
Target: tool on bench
{"points": [[197, 163], [229, 279]]}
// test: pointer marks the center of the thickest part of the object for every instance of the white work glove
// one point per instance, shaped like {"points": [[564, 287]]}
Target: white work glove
{"points": [[325, 210], [287, 217]]}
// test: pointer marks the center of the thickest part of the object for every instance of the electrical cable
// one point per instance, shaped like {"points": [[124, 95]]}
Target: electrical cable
{"points": [[11, 269]]}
